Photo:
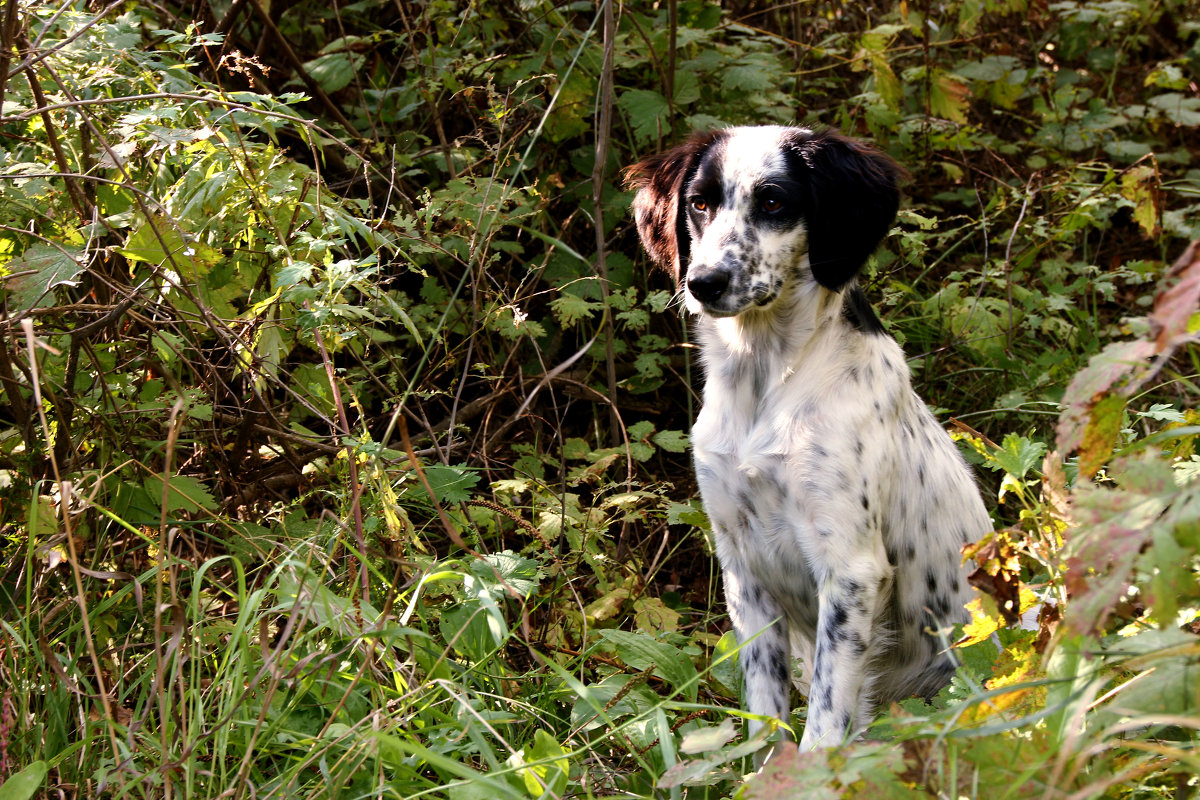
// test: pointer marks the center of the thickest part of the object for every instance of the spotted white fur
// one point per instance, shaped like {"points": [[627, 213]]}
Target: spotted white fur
{"points": [[838, 504]]}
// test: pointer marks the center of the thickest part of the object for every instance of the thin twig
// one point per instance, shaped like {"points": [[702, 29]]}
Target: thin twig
{"points": [[64, 499], [294, 60], [603, 132]]}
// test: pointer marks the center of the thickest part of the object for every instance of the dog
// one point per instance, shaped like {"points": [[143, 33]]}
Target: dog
{"points": [[839, 506]]}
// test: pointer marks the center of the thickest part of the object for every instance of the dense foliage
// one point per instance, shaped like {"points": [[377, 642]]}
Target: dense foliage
{"points": [[343, 429]]}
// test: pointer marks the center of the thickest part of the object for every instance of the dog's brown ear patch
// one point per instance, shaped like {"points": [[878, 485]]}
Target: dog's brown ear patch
{"points": [[660, 180]]}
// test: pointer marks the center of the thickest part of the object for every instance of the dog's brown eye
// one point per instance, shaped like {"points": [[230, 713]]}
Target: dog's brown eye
{"points": [[699, 203], [771, 205]]}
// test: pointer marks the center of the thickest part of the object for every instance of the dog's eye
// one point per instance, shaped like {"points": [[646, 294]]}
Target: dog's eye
{"points": [[771, 204], [699, 203]]}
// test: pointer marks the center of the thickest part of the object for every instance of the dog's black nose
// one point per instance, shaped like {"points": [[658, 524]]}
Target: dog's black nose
{"points": [[707, 287]]}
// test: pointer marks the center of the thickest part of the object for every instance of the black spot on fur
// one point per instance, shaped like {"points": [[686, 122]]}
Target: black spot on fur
{"points": [[838, 617], [782, 673], [857, 311]]}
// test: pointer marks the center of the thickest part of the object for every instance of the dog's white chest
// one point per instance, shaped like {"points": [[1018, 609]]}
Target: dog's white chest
{"points": [[751, 444]]}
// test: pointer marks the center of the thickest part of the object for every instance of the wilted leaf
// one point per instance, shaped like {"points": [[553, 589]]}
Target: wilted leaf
{"points": [[708, 738], [1104, 424], [653, 615], [1104, 370], [1114, 525], [42, 520], [606, 606], [1142, 187], [1121, 366]]}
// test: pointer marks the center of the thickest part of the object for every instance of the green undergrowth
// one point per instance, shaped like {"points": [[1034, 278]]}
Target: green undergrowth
{"points": [[343, 437]]}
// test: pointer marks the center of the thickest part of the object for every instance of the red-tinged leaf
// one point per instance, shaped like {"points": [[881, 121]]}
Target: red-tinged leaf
{"points": [[1114, 525], [1174, 306], [1122, 367], [789, 773], [1105, 369], [948, 98]]}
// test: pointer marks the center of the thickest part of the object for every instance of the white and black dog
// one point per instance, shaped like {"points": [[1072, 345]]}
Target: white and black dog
{"points": [[838, 505]]}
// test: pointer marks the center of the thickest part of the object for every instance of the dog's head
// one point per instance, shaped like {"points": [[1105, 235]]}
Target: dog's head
{"points": [[737, 215]]}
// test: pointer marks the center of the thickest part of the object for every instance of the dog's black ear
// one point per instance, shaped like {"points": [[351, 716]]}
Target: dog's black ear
{"points": [[853, 196], [658, 206]]}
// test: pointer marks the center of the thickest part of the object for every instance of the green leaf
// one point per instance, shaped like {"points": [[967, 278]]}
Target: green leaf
{"points": [[671, 441], [551, 773], [334, 71], [51, 267], [159, 241], [570, 309], [992, 68], [42, 521], [451, 484], [642, 651], [25, 783], [640, 429], [686, 514], [1017, 455], [294, 273], [508, 570], [647, 112], [1178, 108], [887, 85], [183, 493]]}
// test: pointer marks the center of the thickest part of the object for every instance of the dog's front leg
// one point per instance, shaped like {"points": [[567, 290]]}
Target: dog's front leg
{"points": [[764, 654], [839, 700]]}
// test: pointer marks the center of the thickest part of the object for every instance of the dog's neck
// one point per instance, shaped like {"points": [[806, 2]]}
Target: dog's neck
{"points": [[780, 338]]}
